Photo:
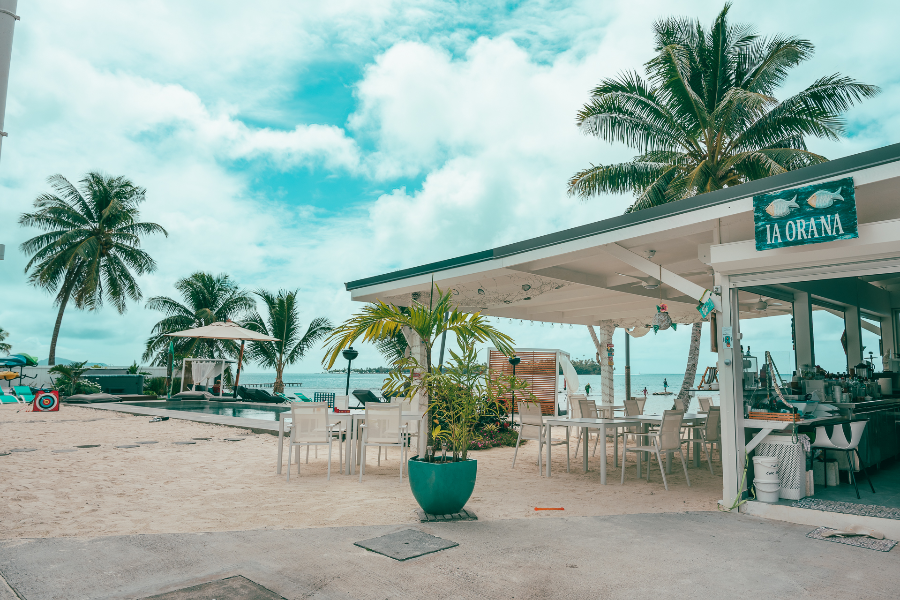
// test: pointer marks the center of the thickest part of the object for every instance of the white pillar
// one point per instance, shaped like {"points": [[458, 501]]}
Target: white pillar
{"points": [[854, 336], [417, 350], [607, 381], [804, 347], [731, 394], [7, 25]]}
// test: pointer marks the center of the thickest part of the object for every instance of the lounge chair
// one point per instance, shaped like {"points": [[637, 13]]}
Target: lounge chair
{"points": [[264, 396], [244, 394], [365, 396], [24, 396]]}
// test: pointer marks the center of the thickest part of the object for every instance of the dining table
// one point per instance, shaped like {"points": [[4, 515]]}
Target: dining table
{"points": [[587, 424], [353, 420]]}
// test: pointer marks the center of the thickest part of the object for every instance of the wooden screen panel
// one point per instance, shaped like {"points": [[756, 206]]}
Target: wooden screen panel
{"points": [[538, 369]]}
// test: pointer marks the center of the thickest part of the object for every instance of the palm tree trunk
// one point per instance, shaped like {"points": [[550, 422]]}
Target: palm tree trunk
{"points": [[278, 387], [51, 358], [683, 400]]}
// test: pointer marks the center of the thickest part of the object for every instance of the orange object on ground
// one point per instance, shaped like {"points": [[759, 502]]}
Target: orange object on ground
{"points": [[549, 509]]}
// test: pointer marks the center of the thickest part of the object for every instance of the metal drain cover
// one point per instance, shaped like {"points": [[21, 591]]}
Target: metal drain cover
{"points": [[184, 443], [231, 588], [128, 446], [65, 450], [89, 446], [235, 439], [23, 449], [406, 544], [202, 439]]}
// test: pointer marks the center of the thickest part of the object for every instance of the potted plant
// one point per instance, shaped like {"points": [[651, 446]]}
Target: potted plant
{"points": [[457, 398]]}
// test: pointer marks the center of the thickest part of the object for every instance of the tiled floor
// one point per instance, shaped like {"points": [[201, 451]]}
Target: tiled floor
{"points": [[886, 481]]}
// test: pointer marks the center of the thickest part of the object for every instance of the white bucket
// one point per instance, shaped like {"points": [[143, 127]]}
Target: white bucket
{"points": [[767, 491], [766, 468]]}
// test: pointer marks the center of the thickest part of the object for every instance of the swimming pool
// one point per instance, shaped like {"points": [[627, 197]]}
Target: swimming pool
{"points": [[224, 409]]}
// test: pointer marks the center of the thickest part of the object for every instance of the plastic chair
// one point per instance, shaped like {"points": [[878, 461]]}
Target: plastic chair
{"points": [[531, 427], [667, 439], [642, 400], [633, 408], [310, 427], [838, 441], [707, 434], [327, 397], [383, 428]]}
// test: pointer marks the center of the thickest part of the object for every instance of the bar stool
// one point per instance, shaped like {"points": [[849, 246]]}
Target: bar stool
{"points": [[838, 441]]}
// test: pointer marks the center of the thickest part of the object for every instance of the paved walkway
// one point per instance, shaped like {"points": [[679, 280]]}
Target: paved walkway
{"points": [[680, 555]]}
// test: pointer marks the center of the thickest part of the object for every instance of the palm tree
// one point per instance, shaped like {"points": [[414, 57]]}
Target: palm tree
{"points": [[4, 347], [378, 322], [91, 248], [206, 299], [706, 117], [283, 322]]}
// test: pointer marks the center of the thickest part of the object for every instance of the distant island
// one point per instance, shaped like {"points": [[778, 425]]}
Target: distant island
{"points": [[586, 366], [366, 371]]}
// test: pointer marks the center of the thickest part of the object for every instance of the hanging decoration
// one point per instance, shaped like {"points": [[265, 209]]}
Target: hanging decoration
{"points": [[662, 320], [610, 352]]}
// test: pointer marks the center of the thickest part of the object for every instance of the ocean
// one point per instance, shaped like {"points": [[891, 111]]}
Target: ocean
{"points": [[336, 382]]}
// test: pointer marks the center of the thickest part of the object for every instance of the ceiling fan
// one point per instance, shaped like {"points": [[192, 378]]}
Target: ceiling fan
{"points": [[648, 283], [760, 305]]}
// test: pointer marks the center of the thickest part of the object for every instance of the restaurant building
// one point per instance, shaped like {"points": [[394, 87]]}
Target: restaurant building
{"points": [[823, 238]]}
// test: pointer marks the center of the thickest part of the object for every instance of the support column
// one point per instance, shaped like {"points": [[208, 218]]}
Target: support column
{"points": [[417, 350], [804, 347], [8, 19], [606, 330], [627, 365], [854, 336], [731, 394]]}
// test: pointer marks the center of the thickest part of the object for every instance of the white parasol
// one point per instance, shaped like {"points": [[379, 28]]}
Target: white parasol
{"points": [[228, 330]]}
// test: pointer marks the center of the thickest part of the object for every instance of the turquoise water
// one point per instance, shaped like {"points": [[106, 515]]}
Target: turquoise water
{"points": [[335, 382]]}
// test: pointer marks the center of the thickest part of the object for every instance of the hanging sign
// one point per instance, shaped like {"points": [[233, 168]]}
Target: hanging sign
{"points": [[726, 338], [808, 215]]}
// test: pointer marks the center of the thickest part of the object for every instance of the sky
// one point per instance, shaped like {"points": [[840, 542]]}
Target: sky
{"points": [[301, 145]]}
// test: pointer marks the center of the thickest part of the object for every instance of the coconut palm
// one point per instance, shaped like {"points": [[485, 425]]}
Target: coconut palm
{"points": [[91, 249], [706, 116], [283, 322], [206, 299], [4, 347]]}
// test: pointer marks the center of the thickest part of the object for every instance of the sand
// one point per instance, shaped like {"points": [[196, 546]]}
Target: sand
{"points": [[217, 485]]}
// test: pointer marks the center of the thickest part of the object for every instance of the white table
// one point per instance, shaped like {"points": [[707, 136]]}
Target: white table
{"points": [[587, 425], [353, 419], [767, 427]]}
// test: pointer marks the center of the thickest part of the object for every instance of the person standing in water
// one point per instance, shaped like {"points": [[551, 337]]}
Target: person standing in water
{"points": [[645, 391], [587, 388], [665, 385]]}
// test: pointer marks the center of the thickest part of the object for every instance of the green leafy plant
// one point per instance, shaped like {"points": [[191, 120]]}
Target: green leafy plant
{"points": [[464, 405], [706, 117], [135, 369], [4, 347], [68, 379], [379, 321], [155, 385]]}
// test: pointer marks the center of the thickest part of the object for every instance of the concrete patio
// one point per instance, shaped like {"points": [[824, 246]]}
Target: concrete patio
{"points": [[671, 555]]}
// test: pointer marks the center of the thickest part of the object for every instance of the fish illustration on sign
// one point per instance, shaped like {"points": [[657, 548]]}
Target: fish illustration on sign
{"points": [[780, 208], [824, 198]]}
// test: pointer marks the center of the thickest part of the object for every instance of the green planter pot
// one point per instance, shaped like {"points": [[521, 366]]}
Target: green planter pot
{"points": [[442, 488]]}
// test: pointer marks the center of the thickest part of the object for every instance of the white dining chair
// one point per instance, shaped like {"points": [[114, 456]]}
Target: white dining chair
{"points": [[531, 427], [310, 427], [383, 428], [667, 439]]}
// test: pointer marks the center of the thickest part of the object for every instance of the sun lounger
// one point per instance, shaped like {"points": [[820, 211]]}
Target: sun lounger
{"points": [[264, 396], [364, 396]]}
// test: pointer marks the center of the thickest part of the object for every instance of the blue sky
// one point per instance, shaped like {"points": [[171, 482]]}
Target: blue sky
{"points": [[306, 144]]}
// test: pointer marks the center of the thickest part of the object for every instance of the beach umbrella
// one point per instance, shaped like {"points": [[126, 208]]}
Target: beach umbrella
{"points": [[227, 330]]}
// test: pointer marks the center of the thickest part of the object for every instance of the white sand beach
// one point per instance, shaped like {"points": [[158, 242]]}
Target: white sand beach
{"points": [[216, 485]]}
